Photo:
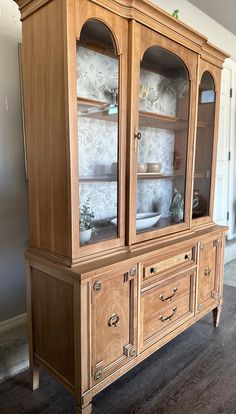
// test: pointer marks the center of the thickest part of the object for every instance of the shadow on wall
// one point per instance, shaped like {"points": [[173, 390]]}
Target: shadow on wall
{"points": [[13, 186]]}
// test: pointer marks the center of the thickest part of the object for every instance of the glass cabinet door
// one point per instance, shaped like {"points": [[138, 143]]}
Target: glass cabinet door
{"points": [[98, 133], [204, 147], [162, 140]]}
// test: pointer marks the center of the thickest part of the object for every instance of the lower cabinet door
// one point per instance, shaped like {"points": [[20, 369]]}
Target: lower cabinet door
{"points": [[166, 306], [113, 313], [210, 269]]}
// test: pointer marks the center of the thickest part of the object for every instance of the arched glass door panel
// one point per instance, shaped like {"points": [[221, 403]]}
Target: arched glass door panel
{"points": [[98, 133], [204, 147], [163, 140]]}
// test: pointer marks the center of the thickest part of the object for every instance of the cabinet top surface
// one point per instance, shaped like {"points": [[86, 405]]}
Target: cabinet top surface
{"points": [[139, 10], [83, 271]]}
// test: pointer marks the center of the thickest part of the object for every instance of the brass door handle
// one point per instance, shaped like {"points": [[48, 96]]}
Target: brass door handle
{"points": [[168, 318], [113, 320], [207, 271], [162, 297], [137, 137]]}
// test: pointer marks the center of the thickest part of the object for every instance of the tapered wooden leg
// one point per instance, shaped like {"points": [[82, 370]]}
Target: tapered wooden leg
{"points": [[216, 315], [34, 369], [34, 376], [84, 410]]}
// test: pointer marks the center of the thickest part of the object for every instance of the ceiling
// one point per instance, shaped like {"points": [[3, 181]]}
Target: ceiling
{"points": [[224, 12]]}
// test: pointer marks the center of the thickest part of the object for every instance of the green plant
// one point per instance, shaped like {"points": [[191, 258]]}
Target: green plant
{"points": [[86, 217], [175, 13]]}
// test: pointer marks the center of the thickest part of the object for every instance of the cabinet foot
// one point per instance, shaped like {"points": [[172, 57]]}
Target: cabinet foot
{"points": [[84, 410], [34, 377], [216, 315]]}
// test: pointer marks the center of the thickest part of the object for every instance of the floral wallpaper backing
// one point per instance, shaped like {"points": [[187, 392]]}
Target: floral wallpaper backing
{"points": [[152, 97], [97, 74], [156, 145]]}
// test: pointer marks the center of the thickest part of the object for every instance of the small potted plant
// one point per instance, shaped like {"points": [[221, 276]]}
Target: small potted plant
{"points": [[86, 222]]}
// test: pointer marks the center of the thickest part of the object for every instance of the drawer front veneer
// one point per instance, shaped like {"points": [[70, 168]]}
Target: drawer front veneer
{"points": [[176, 261], [113, 313], [165, 307]]}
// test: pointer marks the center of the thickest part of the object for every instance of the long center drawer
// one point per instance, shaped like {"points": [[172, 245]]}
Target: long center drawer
{"points": [[158, 267]]}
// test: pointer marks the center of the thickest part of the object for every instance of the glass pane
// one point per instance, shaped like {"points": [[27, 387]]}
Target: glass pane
{"points": [[97, 106], [204, 146], [162, 149]]}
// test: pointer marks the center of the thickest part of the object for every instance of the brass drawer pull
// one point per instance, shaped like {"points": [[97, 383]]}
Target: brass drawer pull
{"points": [[113, 320], [162, 297], [153, 270], [207, 271], [97, 286], [168, 318], [188, 257]]}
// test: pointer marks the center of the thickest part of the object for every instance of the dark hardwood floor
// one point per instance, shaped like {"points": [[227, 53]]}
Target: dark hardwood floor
{"points": [[193, 374]]}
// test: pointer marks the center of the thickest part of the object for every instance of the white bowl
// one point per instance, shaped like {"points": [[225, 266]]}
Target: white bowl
{"points": [[144, 220]]}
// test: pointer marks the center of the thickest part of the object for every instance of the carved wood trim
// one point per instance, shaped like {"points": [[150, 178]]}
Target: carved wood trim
{"points": [[151, 15]]}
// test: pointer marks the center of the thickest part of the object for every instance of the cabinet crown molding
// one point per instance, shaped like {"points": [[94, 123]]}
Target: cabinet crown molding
{"points": [[155, 17]]}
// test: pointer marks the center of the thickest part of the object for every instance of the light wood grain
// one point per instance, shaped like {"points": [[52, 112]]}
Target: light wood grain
{"points": [[157, 316], [182, 259], [74, 329], [52, 313], [111, 344], [46, 133]]}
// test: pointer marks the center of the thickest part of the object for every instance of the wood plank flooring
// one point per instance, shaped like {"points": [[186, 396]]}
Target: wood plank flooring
{"points": [[193, 374]]}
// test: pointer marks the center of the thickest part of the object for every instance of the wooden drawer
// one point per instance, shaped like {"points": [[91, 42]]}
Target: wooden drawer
{"points": [[166, 306], [180, 260]]}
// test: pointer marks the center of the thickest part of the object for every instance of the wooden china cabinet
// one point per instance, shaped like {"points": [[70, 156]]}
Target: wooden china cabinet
{"points": [[121, 112]]}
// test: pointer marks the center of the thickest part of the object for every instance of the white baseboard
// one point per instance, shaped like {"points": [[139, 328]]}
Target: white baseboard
{"points": [[13, 322]]}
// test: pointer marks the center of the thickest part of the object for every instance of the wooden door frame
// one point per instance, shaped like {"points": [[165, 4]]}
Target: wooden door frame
{"points": [[215, 72], [139, 44], [118, 26]]}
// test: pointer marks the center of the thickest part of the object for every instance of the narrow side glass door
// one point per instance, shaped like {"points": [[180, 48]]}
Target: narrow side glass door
{"points": [[204, 147], [98, 133], [162, 141]]}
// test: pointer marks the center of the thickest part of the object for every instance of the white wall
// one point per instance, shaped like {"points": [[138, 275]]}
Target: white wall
{"points": [[13, 187], [201, 22]]}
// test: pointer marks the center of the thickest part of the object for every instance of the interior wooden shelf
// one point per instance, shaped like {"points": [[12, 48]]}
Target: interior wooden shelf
{"points": [[141, 176], [103, 231], [200, 175], [152, 120], [102, 110], [149, 176], [106, 178], [99, 110]]}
